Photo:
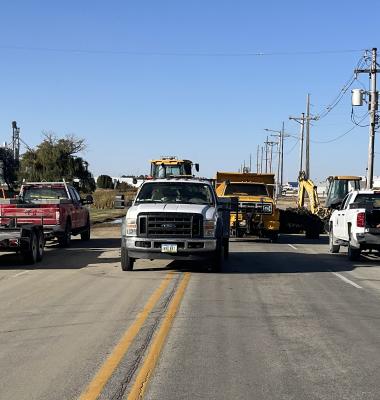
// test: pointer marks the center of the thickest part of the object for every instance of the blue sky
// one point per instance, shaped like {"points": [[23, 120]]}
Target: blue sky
{"points": [[131, 92]]}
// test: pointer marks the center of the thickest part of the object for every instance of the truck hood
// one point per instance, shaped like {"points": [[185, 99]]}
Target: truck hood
{"points": [[207, 211]]}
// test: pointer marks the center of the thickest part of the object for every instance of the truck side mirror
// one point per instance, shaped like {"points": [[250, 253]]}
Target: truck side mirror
{"points": [[197, 167], [88, 200], [134, 181]]}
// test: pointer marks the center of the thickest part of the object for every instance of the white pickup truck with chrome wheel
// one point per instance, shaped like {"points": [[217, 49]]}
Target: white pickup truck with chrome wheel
{"points": [[356, 224], [176, 219]]}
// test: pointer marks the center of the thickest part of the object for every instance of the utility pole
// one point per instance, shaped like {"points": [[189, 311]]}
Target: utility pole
{"points": [[266, 155], [262, 159], [373, 106], [269, 145], [301, 121], [307, 155], [250, 162], [16, 141], [281, 135], [257, 159], [305, 141]]}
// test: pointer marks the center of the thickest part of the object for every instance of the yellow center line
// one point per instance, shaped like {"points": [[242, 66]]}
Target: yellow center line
{"points": [[141, 382], [96, 386]]}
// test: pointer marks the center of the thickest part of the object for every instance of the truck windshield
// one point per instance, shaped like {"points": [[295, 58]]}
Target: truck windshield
{"points": [[373, 198], [175, 192], [246, 189], [43, 193]]}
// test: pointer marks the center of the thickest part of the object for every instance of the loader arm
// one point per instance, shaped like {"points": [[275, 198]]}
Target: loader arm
{"points": [[306, 186]]}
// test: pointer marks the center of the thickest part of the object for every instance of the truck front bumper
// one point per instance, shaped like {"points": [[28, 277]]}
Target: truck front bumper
{"points": [[187, 249]]}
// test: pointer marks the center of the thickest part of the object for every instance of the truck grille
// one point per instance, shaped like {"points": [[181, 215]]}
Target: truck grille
{"points": [[170, 225], [257, 208]]}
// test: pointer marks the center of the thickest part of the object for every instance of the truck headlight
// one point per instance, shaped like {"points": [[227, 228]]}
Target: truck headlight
{"points": [[209, 228], [267, 208], [131, 227]]}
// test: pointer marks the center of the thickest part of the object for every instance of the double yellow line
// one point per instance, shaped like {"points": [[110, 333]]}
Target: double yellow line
{"points": [[96, 386]]}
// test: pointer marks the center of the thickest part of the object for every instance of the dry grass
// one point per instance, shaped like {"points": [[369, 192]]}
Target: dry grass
{"points": [[105, 198]]}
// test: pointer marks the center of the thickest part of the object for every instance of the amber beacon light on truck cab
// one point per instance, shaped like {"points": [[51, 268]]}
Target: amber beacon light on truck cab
{"points": [[256, 212]]}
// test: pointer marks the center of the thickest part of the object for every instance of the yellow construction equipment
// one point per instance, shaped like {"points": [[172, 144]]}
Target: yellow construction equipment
{"points": [[171, 166], [256, 212]]}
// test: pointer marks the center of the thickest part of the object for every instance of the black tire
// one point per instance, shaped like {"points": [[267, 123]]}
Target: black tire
{"points": [[226, 248], [273, 237], [217, 259], [30, 253], [353, 252], [85, 235], [40, 245], [333, 248], [126, 261], [65, 239]]}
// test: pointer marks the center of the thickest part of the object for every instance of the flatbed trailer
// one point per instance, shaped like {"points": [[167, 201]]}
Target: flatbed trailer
{"points": [[28, 239]]}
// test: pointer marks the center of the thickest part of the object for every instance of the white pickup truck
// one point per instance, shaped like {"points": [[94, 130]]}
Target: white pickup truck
{"points": [[356, 224], [176, 219]]}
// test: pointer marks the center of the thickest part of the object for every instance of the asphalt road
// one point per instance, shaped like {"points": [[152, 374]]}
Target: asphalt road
{"points": [[281, 321]]}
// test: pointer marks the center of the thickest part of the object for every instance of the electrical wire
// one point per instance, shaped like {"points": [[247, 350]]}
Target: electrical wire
{"points": [[338, 98], [340, 136], [293, 147], [175, 54], [353, 118]]}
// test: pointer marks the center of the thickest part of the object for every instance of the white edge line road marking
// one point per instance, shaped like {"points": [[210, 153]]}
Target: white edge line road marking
{"points": [[293, 247], [346, 280], [20, 273]]}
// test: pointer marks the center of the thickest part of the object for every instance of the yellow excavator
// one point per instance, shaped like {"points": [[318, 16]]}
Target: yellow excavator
{"points": [[315, 219], [337, 189]]}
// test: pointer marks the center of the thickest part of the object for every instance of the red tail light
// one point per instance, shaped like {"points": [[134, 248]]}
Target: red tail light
{"points": [[360, 220]]}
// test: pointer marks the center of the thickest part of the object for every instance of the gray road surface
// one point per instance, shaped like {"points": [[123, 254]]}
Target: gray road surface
{"points": [[282, 321]]}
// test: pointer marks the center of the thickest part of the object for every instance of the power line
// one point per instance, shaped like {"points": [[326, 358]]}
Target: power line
{"points": [[293, 147], [175, 54], [340, 136], [338, 98]]}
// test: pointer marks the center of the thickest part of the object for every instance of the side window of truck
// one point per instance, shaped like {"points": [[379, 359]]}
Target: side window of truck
{"points": [[73, 195]]}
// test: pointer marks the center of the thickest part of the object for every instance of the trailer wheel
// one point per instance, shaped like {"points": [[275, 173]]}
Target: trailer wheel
{"points": [[217, 258], [40, 245], [30, 254]]}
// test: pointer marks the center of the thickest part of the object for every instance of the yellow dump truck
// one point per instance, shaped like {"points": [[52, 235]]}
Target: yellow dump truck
{"points": [[256, 212], [170, 166]]}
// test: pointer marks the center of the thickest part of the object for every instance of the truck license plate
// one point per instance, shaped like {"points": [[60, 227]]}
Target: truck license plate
{"points": [[168, 248]]}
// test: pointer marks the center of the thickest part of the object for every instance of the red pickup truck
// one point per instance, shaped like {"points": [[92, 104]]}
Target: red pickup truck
{"points": [[56, 205]]}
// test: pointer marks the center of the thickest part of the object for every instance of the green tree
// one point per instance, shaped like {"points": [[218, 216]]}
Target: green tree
{"points": [[55, 159], [104, 182], [8, 167]]}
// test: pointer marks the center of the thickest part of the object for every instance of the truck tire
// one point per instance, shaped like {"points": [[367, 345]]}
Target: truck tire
{"points": [[217, 258], [226, 248], [126, 261], [85, 235], [65, 239], [333, 248], [40, 245], [353, 252], [30, 253]]}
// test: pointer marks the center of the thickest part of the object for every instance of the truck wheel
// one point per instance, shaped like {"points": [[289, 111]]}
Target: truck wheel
{"points": [[333, 248], [226, 248], [40, 245], [353, 252], [30, 254], [273, 237], [126, 261], [65, 239], [86, 234], [217, 258]]}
